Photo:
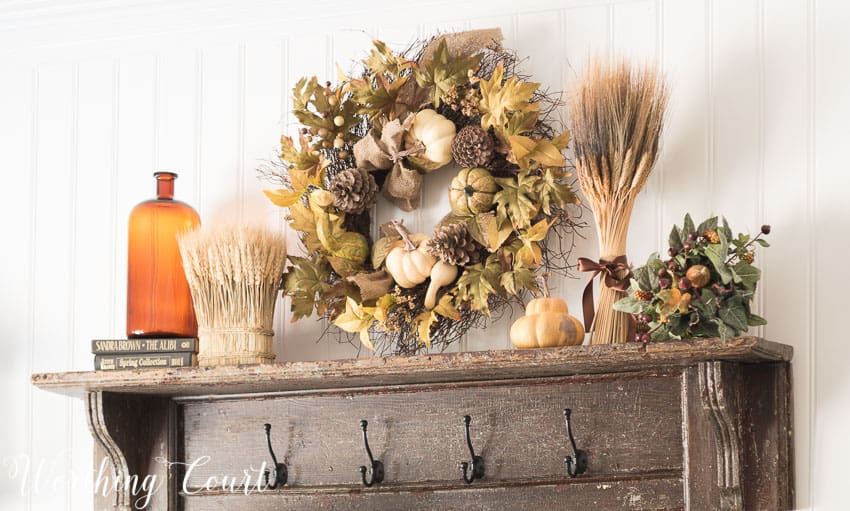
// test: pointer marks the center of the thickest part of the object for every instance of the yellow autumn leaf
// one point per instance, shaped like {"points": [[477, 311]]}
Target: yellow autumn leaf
{"points": [[498, 100], [356, 320], [445, 307], [424, 321], [542, 152], [670, 299], [284, 198]]}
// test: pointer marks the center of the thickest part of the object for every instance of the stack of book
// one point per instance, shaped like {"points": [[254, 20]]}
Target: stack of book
{"points": [[131, 354]]}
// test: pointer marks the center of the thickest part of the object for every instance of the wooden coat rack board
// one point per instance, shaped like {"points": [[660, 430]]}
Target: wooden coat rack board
{"points": [[696, 425]]}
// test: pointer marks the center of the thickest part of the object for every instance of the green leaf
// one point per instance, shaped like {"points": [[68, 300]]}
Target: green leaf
{"points": [[747, 274], [516, 201], [733, 313], [382, 60], [445, 71], [675, 239], [755, 320], [554, 192], [708, 225], [305, 283], [630, 305], [478, 282], [762, 242], [518, 279], [716, 253], [688, 226], [705, 303], [484, 228]]}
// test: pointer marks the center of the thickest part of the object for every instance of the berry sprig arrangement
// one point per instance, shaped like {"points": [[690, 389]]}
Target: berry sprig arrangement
{"points": [[704, 288]]}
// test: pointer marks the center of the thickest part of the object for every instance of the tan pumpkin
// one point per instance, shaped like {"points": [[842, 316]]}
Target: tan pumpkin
{"points": [[410, 264], [428, 142], [547, 323], [472, 191]]}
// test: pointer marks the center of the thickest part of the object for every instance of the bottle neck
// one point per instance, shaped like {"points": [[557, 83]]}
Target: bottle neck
{"points": [[165, 185]]}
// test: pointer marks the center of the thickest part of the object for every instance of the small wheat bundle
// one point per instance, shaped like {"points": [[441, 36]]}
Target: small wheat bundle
{"points": [[617, 115], [234, 274]]}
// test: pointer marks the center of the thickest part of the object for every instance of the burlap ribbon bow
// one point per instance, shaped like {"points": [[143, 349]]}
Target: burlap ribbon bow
{"points": [[381, 149], [616, 274]]}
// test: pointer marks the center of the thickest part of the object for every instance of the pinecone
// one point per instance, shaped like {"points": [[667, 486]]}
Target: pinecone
{"points": [[473, 147], [453, 245], [354, 190]]}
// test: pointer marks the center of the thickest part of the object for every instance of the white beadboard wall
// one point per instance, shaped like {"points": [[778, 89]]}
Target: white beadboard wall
{"points": [[95, 95]]}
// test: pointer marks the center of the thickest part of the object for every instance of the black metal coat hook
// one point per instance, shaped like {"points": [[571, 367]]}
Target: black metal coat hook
{"points": [[377, 468], [280, 473], [477, 461], [576, 461]]}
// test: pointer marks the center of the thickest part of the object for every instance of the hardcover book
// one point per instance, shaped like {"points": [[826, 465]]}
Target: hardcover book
{"points": [[130, 346], [143, 361]]}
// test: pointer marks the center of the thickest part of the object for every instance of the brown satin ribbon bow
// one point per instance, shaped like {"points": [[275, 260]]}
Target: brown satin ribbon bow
{"points": [[610, 271]]}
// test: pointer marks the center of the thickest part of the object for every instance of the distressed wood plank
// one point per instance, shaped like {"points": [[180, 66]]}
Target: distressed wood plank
{"points": [[417, 432], [471, 366], [642, 493]]}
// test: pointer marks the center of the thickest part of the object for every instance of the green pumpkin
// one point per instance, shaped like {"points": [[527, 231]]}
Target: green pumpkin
{"points": [[472, 191]]}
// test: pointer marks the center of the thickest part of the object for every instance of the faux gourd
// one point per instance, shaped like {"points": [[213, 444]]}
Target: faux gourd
{"points": [[442, 274], [433, 134], [410, 264], [472, 191], [547, 323]]}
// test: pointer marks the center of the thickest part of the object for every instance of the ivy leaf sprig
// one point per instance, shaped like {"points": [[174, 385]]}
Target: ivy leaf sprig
{"points": [[704, 289]]}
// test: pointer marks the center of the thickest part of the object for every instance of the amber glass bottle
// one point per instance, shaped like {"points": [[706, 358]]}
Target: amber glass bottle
{"points": [[159, 303]]}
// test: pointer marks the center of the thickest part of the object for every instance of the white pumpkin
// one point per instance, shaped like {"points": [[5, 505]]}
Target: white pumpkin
{"points": [[410, 264], [436, 134]]}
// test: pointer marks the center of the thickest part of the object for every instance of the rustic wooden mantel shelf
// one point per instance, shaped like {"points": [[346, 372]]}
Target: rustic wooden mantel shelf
{"points": [[694, 425], [437, 368]]}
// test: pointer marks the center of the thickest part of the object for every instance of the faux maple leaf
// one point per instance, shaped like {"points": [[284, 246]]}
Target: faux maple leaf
{"points": [[517, 201], [478, 282], [305, 283], [445, 71], [499, 100]]}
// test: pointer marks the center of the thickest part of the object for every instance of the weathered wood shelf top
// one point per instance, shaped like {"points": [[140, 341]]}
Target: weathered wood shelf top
{"points": [[447, 367]]}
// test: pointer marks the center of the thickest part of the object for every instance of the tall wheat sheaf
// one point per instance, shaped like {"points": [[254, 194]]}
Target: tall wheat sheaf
{"points": [[616, 116], [234, 274]]}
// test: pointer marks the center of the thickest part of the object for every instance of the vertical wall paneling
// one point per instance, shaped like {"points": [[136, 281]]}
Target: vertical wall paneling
{"points": [[136, 82], [92, 270], [176, 86], [17, 102], [685, 155], [51, 258], [786, 203], [221, 129], [831, 243], [756, 125], [261, 128], [302, 338]]}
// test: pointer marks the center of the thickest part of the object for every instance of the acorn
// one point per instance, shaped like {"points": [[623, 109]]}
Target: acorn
{"points": [[698, 275]]}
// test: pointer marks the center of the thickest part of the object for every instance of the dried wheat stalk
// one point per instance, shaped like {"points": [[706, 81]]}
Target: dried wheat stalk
{"points": [[617, 115], [234, 274]]}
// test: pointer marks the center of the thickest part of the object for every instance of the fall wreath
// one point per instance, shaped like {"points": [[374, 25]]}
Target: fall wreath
{"points": [[454, 103]]}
